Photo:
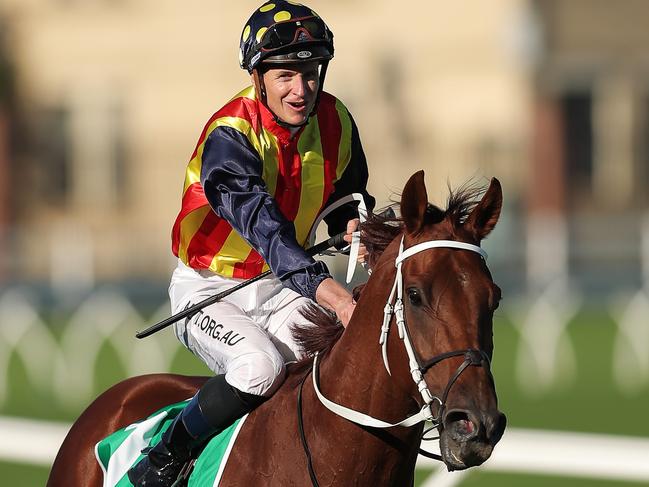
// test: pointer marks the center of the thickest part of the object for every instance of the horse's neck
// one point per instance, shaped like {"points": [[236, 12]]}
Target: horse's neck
{"points": [[353, 373]]}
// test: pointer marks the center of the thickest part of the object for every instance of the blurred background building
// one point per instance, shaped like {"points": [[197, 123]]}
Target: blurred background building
{"points": [[102, 101]]}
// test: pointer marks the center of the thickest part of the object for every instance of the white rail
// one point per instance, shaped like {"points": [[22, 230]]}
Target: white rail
{"points": [[30, 441], [558, 453], [520, 451]]}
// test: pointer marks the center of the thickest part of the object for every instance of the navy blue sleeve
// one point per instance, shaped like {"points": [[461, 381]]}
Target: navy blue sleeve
{"points": [[231, 175], [353, 180]]}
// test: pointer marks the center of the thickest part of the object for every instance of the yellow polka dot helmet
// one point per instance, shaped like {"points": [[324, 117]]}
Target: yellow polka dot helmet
{"points": [[282, 31]]}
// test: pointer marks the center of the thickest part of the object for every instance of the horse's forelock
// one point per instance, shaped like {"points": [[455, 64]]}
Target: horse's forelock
{"points": [[461, 202]]}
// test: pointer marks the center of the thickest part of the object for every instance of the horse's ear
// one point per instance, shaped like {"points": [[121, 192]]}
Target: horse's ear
{"points": [[485, 215], [414, 202]]}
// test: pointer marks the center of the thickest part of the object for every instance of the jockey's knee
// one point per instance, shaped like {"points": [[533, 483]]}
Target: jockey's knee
{"points": [[258, 373]]}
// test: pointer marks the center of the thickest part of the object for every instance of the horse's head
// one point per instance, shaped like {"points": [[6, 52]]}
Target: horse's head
{"points": [[448, 303]]}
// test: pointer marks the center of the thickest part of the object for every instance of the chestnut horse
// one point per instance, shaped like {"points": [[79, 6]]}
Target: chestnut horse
{"points": [[442, 373]]}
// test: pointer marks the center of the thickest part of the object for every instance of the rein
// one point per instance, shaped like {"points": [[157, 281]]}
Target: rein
{"points": [[395, 307]]}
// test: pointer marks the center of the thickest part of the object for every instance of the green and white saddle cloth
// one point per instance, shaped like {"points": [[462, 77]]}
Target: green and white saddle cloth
{"points": [[121, 450]]}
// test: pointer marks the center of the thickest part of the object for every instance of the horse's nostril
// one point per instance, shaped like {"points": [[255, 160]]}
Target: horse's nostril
{"points": [[461, 425], [465, 427]]}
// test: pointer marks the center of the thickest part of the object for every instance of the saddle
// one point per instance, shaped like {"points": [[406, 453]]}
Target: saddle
{"points": [[118, 452]]}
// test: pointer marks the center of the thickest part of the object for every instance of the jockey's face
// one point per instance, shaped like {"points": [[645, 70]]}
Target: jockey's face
{"points": [[291, 90]]}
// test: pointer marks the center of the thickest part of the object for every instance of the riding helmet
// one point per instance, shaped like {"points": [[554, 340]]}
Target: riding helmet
{"points": [[282, 31]]}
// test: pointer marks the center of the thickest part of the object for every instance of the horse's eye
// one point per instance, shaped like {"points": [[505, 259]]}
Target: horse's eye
{"points": [[414, 296]]}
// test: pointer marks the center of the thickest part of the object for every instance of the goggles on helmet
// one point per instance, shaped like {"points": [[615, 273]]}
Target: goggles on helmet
{"points": [[295, 31], [280, 42]]}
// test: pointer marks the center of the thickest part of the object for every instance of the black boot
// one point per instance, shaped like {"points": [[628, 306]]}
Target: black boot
{"points": [[163, 463], [215, 407]]}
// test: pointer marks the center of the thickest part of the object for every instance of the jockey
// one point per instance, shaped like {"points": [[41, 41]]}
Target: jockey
{"points": [[264, 168]]}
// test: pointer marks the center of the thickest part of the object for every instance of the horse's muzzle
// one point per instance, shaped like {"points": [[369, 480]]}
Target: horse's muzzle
{"points": [[468, 438]]}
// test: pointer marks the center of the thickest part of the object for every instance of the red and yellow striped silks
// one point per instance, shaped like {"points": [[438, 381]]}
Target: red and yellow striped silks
{"points": [[299, 173]]}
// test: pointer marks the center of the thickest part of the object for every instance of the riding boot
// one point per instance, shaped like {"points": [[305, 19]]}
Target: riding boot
{"points": [[215, 407]]}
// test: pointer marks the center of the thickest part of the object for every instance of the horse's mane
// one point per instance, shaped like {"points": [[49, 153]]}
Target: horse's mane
{"points": [[376, 234]]}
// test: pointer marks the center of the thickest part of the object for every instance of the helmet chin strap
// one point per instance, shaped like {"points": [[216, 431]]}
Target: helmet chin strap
{"points": [[258, 83]]}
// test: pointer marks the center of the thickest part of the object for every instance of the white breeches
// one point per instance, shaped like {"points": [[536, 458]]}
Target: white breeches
{"points": [[247, 335]]}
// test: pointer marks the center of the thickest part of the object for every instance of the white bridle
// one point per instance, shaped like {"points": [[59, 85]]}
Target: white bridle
{"points": [[425, 414]]}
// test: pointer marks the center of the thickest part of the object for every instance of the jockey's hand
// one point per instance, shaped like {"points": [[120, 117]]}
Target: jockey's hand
{"points": [[332, 295], [352, 226]]}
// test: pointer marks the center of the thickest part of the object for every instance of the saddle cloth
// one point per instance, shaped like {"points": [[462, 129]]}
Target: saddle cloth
{"points": [[118, 452]]}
